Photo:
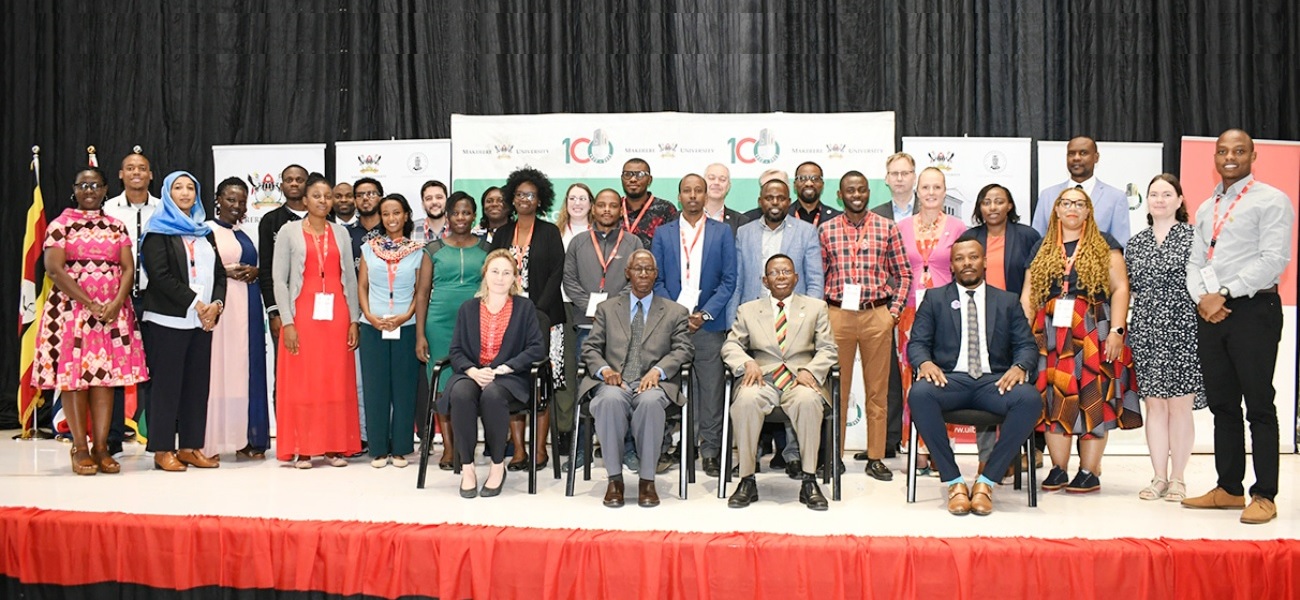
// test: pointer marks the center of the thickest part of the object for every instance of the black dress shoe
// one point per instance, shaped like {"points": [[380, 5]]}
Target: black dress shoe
{"points": [[861, 456], [114, 447], [519, 465], [794, 469], [879, 471], [821, 469], [666, 462], [746, 493], [777, 462], [811, 496], [712, 466], [614, 493]]}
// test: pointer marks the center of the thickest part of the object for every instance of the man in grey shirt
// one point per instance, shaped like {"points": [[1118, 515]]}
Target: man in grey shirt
{"points": [[1239, 253]]}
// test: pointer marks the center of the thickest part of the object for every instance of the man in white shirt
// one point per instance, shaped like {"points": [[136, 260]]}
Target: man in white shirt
{"points": [[345, 204], [1109, 204]]}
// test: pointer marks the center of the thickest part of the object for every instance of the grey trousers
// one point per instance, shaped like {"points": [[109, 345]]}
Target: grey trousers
{"points": [[707, 395], [803, 405], [613, 408]]}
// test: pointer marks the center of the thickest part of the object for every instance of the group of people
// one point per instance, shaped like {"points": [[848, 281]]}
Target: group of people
{"points": [[1060, 327]]}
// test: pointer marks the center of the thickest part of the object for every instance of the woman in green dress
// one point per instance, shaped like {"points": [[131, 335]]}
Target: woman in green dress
{"points": [[449, 275]]}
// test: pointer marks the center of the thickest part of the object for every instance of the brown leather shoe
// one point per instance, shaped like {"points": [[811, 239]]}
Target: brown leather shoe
{"points": [[646, 496], [1216, 498], [104, 461], [82, 463], [614, 493], [958, 499], [981, 499], [167, 461], [1260, 511], [195, 458]]}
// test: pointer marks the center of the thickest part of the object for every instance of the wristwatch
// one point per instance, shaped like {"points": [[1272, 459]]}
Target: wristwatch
{"points": [[1225, 292], [1119, 330]]}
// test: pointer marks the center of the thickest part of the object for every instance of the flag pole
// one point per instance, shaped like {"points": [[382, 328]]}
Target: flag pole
{"points": [[35, 433]]}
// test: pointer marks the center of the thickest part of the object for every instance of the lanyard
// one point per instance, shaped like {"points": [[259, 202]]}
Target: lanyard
{"points": [[632, 227], [189, 249], [521, 251], [600, 254], [322, 252], [392, 279], [926, 250], [688, 249], [1218, 223], [1069, 262]]}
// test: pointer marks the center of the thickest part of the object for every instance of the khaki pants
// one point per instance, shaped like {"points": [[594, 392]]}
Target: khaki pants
{"points": [[803, 405], [869, 331]]}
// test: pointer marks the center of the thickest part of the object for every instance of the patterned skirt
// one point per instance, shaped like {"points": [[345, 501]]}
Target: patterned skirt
{"points": [[1083, 394]]}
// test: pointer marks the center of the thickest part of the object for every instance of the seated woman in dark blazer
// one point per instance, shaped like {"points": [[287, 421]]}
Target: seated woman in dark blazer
{"points": [[495, 341], [185, 297]]}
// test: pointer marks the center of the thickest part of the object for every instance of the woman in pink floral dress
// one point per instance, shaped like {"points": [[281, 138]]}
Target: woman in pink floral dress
{"points": [[89, 344]]}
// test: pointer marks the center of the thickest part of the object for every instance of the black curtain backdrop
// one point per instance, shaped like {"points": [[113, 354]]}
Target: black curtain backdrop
{"points": [[178, 76]]}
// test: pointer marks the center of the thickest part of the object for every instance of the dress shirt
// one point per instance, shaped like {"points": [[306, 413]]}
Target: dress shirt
{"points": [[906, 211], [1088, 185], [1254, 246], [134, 217], [693, 256], [870, 254], [771, 244], [963, 355]]}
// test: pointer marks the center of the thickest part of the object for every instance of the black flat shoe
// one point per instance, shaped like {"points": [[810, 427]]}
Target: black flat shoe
{"points": [[519, 465], [446, 466], [470, 493], [861, 456], [496, 491], [542, 465]]}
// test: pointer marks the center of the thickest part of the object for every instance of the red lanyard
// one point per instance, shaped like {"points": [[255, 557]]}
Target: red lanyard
{"points": [[322, 252], [632, 227], [1219, 223], [392, 278], [521, 251], [1069, 261], [600, 255], [687, 250], [189, 249], [926, 250]]}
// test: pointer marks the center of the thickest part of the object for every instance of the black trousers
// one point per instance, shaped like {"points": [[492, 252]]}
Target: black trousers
{"points": [[180, 367], [1238, 355], [894, 416], [468, 403]]}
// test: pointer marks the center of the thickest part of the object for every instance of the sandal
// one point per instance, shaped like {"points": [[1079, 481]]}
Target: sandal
{"points": [[1177, 491], [1157, 490]]}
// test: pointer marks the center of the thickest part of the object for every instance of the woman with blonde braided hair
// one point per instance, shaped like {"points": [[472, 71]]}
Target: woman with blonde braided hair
{"points": [[1076, 298]]}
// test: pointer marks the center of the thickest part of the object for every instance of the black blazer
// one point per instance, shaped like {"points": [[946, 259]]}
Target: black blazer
{"points": [[521, 345], [1015, 254], [545, 266], [936, 333], [165, 259], [267, 229]]}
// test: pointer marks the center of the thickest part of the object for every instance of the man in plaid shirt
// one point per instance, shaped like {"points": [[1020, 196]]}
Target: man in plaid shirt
{"points": [[863, 254]]}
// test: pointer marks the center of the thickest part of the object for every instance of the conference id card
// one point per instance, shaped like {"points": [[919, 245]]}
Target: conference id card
{"points": [[323, 309], [920, 295], [395, 334], [690, 299], [593, 301], [1063, 313], [1211, 279], [852, 299]]}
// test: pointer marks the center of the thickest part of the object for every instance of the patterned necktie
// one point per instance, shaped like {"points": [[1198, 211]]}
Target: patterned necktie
{"points": [[972, 336], [782, 376], [633, 369]]}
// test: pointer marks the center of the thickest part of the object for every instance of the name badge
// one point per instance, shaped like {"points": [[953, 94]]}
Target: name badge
{"points": [[920, 295], [1063, 313], [395, 334], [593, 301], [323, 310], [1211, 279], [852, 299], [689, 298]]}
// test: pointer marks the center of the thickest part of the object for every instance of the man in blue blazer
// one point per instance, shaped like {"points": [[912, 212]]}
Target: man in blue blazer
{"points": [[697, 269], [973, 349], [1109, 204]]}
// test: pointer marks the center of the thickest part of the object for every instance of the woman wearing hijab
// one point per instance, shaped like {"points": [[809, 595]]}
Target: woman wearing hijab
{"points": [[185, 297]]}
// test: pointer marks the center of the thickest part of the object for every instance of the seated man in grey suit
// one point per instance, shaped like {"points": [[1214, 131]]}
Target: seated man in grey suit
{"points": [[637, 345], [782, 350], [974, 350]]}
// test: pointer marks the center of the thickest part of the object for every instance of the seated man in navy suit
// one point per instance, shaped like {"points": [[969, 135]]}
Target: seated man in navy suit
{"points": [[974, 350]]}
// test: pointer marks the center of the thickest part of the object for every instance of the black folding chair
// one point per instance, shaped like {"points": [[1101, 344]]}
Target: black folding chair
{"points": [[582, 417], [978, 418], [540, 379], [830, 431]]}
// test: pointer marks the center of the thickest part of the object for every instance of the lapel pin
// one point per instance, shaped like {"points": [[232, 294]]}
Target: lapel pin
{"points": [[956, 305]]}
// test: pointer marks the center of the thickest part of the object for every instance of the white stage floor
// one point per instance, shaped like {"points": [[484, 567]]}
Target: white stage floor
{"points": [[37, 474]]}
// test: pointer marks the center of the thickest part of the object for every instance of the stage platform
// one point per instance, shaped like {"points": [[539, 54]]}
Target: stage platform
{"points": [[263, 529]]}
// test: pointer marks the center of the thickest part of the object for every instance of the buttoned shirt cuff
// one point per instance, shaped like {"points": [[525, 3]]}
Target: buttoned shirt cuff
{"points": [[662, 374]]}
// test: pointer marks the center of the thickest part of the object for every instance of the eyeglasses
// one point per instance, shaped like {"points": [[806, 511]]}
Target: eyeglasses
{"points": [[578, 198], [808, 179], [643, 270], [899, 174], [89, 186], [635, 174], [525, 195], [780, 273], [1068, 204], [368, 194]]}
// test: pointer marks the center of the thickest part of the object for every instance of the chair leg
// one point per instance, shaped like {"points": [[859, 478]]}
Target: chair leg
{"points": [[532, 448], [555, 442], [427, 443], [1017, 478], [1033, 473], [589, 452], [687, 474], [911, 464], [572, 469], [724, 476]]}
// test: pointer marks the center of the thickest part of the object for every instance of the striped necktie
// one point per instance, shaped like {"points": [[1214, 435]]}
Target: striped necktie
{"points": [[781, 377], [972, 336]]}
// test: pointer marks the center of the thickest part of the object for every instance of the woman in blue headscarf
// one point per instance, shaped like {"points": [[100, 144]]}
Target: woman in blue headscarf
{"points": [[186, 293]]}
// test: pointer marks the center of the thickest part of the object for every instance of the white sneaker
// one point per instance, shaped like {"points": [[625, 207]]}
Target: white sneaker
{"points": [[380, 462], [399, 461]]}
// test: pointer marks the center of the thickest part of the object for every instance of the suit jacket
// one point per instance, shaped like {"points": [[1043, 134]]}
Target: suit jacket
{"points": [[521, 345], [165, 259], [1109, 208], [734, 219], [717, 275], [267, 231], [545, 266], [886, 210], [665, 341], [809, 342], [936, 333], [1020, 239], [799, 242]]}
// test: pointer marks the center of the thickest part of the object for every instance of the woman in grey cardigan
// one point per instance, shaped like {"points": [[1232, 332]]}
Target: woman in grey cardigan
{"points": [[316, 378]]}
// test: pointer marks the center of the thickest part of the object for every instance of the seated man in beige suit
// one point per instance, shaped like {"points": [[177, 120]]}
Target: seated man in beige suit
{"points": [[782, 350]]}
